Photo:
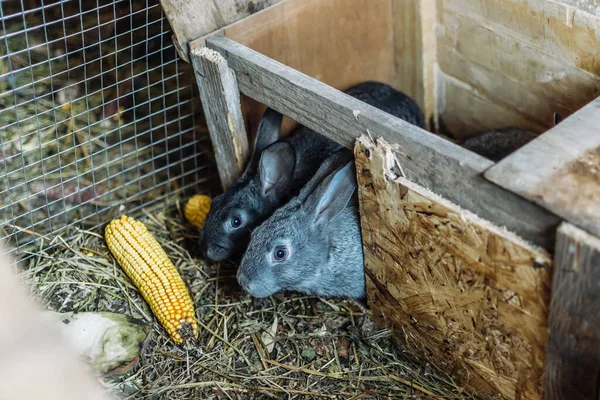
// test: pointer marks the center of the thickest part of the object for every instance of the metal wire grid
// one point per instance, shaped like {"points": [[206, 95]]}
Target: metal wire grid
{"points": [[97, 117]]}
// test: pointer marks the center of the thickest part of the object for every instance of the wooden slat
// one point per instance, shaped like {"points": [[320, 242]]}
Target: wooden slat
{"points": [[459, 293], [573, 360], [192, 19], [560, 170], [339, 42], [222, 111], [427, 159]]}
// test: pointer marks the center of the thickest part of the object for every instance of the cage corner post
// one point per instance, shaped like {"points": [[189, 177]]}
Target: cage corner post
{"points": [[220, 97], [573, 354]]}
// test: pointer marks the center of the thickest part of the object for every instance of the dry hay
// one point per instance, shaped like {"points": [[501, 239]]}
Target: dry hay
{"points": [[289, 346]]}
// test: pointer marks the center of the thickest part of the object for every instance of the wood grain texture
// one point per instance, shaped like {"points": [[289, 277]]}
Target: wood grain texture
{"points": [[560, 170], [531, 58], [590, 6], [427, 159], [573, 359], [414, 51], [192, 19], [459, 292], [221, 104], [338, 42]]}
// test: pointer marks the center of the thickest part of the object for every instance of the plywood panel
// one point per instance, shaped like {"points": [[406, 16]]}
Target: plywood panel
{"points": [[460, 293], [339, 42]]}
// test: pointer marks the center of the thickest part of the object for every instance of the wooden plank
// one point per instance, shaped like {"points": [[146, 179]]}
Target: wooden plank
{"points": [[191, 19], [339, 42], [427, 159], [560, 170], [458, 292], [222, 111], [573, 359], [563, 32]]}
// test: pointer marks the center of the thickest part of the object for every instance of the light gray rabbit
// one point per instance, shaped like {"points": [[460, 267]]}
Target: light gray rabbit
{"points": [[312, 244], [279, 168]]}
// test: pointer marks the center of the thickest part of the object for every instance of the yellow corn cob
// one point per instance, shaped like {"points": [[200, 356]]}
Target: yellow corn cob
{"points": [[148, 266], [196, 209]]}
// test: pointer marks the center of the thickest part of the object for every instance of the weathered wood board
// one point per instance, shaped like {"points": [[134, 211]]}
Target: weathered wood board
{"points": [[338, 42], [222, 111], [560, 169], [573, 359], [192, 19], [525, 60], [459, 292]]}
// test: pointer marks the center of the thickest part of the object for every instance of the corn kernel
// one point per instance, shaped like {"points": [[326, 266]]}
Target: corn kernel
{"points": [[148, 266], [196, 209]]}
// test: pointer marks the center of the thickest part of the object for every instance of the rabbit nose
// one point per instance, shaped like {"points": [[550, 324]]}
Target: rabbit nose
{"points": [[216, 252], [243, 280]]}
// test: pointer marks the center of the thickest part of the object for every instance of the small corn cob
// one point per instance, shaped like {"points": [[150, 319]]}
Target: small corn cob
{"points": [[196, 209], [148, 266]]}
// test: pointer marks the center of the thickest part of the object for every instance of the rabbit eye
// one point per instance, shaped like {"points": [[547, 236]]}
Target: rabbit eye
{"points": [[235, 222], [280, 254]]}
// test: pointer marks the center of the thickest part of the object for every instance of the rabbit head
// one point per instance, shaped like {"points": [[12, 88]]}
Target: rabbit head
{"points": [[235, 212], [302, 245]]}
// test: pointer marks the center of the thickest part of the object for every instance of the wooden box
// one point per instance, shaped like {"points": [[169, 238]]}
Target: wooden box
{"points": [[487, 270]]}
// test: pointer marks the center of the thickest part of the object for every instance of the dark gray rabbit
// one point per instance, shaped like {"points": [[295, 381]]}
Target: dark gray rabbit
{"points": [[279, 168], [499, 143], [312, 244], [276, 170]]}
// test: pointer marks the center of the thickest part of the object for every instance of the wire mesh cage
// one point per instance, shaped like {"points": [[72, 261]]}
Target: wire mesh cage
{"points": [[97, 116]]}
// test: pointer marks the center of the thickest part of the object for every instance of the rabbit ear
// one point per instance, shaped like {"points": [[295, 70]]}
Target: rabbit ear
{"points": [[333, 195], [277, 164], [333, 162], [267, 134]]}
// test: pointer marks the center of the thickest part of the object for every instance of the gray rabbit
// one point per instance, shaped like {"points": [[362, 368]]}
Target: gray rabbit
{"points": [[390, 100], [312, 244], [499, 143], [279, 168], [275, 171]]}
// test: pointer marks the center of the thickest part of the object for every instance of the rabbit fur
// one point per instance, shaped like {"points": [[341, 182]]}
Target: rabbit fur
{"points": [[312, 244], [499, 143], [278, 169]]}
